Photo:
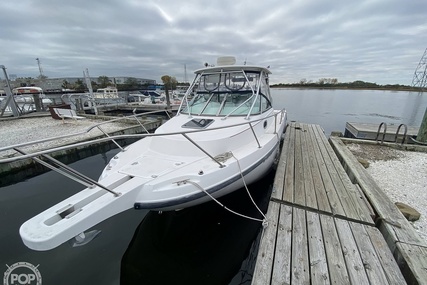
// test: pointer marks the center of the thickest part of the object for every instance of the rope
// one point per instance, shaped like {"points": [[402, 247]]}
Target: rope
{"points": [[249, 194], [264, 221]]}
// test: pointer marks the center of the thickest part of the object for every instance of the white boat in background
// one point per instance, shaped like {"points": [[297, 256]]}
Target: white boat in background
{"points": [[106, 93], [179, 92], [147, 96], [227, 131], [26, 95]]}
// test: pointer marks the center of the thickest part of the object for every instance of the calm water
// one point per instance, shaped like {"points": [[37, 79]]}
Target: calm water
{"points": [[200, 245], [331, 109]]}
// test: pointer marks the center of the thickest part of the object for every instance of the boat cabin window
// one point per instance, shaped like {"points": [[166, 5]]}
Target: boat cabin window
{"points": [[234, 93], [228, 103]]}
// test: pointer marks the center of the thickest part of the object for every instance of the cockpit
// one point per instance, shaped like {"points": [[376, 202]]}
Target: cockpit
{"points": [[228, 93]]}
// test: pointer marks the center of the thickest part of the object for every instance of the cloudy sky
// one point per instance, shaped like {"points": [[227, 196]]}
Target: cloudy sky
{"points": [[378, 41]]}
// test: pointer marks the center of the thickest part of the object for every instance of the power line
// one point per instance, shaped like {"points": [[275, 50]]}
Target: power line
{"points": [[420, 74]]}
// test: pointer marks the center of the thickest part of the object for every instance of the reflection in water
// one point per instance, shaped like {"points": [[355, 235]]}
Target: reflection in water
{"points": [[412, 107], [204, 244]]}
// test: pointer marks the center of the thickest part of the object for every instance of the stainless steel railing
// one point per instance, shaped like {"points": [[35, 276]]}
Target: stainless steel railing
{"points": [[88, 182]]}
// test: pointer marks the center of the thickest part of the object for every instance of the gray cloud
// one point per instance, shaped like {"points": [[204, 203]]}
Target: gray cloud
{"points": [[373, 40]]}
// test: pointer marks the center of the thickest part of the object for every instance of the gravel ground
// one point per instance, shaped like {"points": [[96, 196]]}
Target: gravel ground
{"points": [[31, 129], [401, 174]]}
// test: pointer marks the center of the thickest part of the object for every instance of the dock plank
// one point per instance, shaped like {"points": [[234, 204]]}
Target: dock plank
{"points": [[288, 190], [318, 263], [391, 268], [300, 262], [282, 264], [319, 188], [310, 193], [368, 254], [338, 190], [331, 194], [350, 199], [336, 263], [265, 259], [278, 184], [413, 260], [355, 266], [299, 194]]}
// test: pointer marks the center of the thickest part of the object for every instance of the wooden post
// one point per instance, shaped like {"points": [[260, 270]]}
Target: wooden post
{"points": [[422, 132]]}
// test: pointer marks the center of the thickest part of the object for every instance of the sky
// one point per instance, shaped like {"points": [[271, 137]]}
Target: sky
{"points": [[379, 41]]}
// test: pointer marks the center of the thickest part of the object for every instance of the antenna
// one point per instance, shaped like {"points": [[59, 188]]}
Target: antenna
{"points": [[420, 74], [40, 68]]}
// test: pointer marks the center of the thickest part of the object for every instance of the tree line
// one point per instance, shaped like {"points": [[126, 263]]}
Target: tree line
{"points": [[333, 83], [103, 81]]}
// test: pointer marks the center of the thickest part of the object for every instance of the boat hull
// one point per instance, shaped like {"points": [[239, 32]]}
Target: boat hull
{"points": [[233, 182]]}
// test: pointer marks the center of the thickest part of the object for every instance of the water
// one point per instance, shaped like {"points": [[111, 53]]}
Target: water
{"points": [[331, 109], [200, 245]]}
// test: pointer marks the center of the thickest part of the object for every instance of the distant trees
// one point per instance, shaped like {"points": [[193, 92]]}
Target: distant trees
{"points": [[170, 82], [333, 83], [79, 85], [131, 83], [103, 81], [66, 85]]}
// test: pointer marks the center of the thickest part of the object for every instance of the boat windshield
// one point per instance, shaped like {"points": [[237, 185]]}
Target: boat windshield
{"points": [[234, 93]]}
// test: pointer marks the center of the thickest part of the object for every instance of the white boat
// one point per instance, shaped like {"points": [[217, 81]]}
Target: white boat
{"points": [[106, 93], [180, 92], [227, 131], [26, 95], [147, 96]]}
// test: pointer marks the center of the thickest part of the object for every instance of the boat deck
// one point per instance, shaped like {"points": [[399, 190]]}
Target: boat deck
{"points": [[321, 228]]}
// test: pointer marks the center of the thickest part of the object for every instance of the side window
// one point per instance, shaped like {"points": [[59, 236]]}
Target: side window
{"points": [[261, 105]]}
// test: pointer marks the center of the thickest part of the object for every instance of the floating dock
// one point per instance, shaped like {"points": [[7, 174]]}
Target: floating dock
{"points": [[323, 229], [368, 131]]}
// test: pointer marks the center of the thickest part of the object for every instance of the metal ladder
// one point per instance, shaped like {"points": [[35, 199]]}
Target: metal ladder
{"points": [[395, 136]]}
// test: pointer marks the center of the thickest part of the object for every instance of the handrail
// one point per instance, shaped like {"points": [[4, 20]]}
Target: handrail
{"points": [[70, 172], [67, 171], [204, 151], [106, 139], [75, 134], [378, 132], [404, 134]]}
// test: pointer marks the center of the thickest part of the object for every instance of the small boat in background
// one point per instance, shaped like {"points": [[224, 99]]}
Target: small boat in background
{"points": [[106, 93], [27, 95]]}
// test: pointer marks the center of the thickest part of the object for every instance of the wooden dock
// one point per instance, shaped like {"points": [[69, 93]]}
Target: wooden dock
{"points": [[321, 228]]}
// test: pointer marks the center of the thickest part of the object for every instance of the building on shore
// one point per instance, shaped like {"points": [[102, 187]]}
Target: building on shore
{"points": [[49, 84]]}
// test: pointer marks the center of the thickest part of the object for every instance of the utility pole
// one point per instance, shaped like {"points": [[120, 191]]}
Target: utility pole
{"points": [[420, 80]]}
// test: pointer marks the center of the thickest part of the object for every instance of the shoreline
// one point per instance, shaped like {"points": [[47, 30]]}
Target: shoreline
{"points": [[409, 89]]}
